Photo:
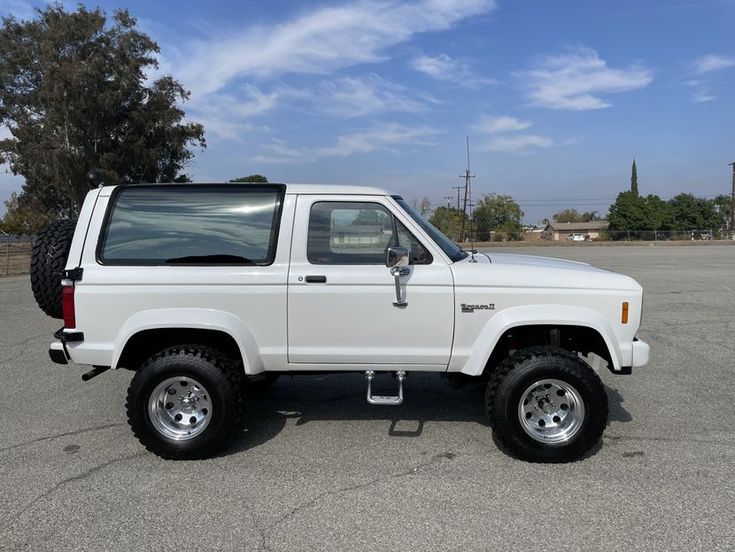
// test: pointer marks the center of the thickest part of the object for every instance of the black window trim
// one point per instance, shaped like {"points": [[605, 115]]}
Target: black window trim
{"points": [[280, 190], [393, 225]]}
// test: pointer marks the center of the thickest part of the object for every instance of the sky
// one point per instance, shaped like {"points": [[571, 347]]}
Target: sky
{"points": [[557, 97]]}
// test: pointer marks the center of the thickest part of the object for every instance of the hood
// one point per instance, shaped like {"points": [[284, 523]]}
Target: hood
{"points": [[512, 270]]}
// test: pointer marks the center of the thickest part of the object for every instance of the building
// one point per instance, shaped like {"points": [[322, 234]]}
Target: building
{"points": [[560, 231]]}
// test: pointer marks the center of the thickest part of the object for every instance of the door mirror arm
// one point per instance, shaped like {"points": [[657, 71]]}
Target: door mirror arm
{"points": [[398, 259]]}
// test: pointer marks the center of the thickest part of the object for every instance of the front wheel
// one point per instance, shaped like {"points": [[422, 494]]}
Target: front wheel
{"points": [[185, 402], [546, 405]]}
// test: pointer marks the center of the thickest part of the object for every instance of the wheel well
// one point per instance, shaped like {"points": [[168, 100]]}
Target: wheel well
{"points": [[577, 339], [146, 343]]}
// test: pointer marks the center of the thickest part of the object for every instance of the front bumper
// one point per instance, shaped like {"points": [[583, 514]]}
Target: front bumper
{"points": [[641, 351]]}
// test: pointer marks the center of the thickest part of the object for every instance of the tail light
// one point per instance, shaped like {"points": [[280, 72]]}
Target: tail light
{"points": [[67, 306]]}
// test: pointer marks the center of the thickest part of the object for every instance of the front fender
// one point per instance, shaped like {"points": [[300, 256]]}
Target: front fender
{"points": [[202, 319], [534, 315]]}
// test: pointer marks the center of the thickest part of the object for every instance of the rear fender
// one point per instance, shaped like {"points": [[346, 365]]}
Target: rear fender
{"points": [[202, 319]]}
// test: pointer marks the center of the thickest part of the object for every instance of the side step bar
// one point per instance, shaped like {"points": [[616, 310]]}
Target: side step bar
{"points": [[382, 399]]}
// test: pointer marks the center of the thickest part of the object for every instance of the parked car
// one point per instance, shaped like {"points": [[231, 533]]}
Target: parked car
{"points": [[203, 289], [575, 237]]}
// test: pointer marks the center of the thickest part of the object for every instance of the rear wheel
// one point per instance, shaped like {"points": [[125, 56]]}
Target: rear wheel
{"points": [[546, 405], [185, 402]]}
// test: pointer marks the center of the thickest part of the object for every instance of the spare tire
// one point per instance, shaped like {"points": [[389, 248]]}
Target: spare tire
{"points": [[48, 260]]}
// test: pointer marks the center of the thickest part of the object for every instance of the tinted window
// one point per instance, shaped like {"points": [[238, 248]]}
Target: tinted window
{"points": [[452, 250], [187, 224], [357, 233]]}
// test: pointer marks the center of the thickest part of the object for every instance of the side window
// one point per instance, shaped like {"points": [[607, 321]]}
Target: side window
{"points": [[419, 254], [348, 233], [192, 224], [352, 233]]}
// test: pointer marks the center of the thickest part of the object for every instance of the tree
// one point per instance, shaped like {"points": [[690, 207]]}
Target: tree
{"points": [[723, 206], [571, 215], [634, 179], [635, 213], [448, 220], [250, 178], [425, 205], [24, 218], [497, 213], [74, 96], [567, 215], [694, 213]]}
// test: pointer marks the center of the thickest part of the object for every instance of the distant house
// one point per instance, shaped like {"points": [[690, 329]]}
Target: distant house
{"points": [[559, 231]]}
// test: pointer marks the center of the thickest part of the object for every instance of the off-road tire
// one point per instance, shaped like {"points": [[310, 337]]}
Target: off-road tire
{"points": [[220, 377], [48, 260], [515, 374]]}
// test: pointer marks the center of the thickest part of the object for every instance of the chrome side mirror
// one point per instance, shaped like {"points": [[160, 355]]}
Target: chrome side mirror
{"points": [[398, 259]]}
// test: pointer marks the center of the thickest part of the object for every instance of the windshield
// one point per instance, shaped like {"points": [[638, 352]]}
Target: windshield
{"points": [[452, 250]]}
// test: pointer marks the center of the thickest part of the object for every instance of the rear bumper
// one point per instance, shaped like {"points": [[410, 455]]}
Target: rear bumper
{"points": [[641, 350], [57, 353]]}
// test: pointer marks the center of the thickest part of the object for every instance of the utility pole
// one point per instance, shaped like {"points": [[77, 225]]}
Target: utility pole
{"points": [[467, 175], [458, 188], [732, 203]]}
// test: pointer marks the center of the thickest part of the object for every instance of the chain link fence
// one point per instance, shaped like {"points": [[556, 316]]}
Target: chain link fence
{"points": [[15, 256], [607, 236]]}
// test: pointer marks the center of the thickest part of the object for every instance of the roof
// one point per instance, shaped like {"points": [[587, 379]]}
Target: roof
{"points": [[578, 226], [333, 189], [322, 189]]}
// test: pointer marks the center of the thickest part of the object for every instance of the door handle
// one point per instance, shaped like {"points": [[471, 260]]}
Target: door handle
{"points": [[316, 279]]}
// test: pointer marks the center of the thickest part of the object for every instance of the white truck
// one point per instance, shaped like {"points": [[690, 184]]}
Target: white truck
{"points": [[201, 289]]}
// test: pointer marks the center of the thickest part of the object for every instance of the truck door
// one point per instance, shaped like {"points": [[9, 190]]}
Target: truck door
{"points": [[341, 295]]}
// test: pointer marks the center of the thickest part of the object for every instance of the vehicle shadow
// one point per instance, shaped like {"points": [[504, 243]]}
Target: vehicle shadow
{"points": [[615, 401], [300, 400]]}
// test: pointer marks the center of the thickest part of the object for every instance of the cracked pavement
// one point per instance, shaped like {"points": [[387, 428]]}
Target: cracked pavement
{"points": [[316, 468]]}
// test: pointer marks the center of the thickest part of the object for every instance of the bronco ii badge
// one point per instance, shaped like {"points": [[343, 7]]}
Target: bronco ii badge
{"points": [[473, 308]]}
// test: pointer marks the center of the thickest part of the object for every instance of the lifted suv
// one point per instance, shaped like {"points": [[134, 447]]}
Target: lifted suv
{"points": [[200, 288]]}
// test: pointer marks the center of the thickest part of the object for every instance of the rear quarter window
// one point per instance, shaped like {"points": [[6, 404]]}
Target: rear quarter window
{"points": [[230, 224]]}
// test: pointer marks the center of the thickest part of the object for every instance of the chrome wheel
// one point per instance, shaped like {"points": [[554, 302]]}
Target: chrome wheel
{"points": [[551, 411], [179, 408]]}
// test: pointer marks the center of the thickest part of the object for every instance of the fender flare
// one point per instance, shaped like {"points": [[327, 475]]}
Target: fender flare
{"points": [[192, 318], [536, 315]]}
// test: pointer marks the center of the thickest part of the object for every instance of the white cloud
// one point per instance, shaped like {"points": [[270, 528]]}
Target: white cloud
{"points": [[517, 143], [444, 67], [700, 91], [503, 134], [227, 116], [358, 96], [318, 42], [494, 125], [711, 62], [385, 137], [575, 79]]}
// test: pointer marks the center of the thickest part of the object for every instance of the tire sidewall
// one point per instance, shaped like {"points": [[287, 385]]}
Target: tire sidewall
{"points": [[222, 400], [576, 373]]}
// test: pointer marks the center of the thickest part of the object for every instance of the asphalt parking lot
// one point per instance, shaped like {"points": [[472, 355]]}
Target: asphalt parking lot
{"points": [[316, 468]]}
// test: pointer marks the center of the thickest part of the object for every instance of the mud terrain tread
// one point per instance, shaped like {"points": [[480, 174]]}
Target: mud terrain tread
{"points": [[48, 260], [210, 359], [567, 364]]}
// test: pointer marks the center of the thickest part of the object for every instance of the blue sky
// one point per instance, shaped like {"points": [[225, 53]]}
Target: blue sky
{"points": [[557, 97]]}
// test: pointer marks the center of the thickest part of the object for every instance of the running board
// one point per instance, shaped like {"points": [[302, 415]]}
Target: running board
{"points": [[382, 399]]}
